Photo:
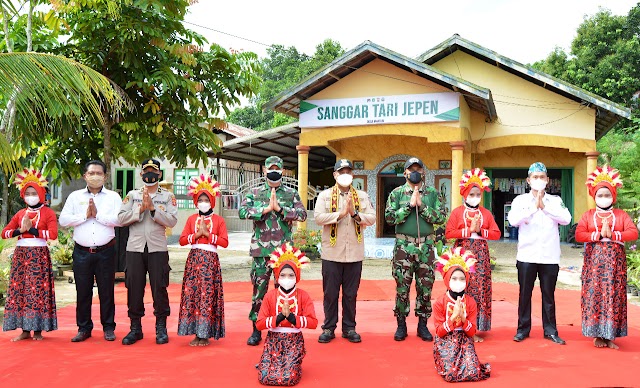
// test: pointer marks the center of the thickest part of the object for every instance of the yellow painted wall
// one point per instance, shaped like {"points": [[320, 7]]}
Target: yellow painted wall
{"points": [[374, 149], [523, 157], [522, 107]]}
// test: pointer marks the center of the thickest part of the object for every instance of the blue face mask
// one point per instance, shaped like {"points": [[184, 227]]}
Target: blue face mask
{"points": [[415, 177]]}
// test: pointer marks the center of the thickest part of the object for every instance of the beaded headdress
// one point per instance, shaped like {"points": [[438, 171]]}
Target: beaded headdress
{"points": [[288, 254], [30, 177], [474, 177]]}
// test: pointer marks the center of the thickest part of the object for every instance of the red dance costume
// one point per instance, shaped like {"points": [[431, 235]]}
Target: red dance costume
{"points": [[604, 273], [202, 299], [479, 282], [31, 300], [281, 361]]}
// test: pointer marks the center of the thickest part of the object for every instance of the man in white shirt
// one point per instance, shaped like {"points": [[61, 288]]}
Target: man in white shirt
{"points": [[538, 215], [93, 214]]}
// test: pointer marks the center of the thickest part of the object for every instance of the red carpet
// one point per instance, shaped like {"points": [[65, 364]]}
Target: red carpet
{"points": [[378, 361]]}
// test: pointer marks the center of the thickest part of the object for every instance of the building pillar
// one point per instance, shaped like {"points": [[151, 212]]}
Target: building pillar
{"points": [[457, 160], [592, 163], [303, 177]]}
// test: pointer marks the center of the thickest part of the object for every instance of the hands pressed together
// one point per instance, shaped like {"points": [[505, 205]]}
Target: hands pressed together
{"points": [[273, 203], [147, 203], [475, 224], [416, 199], [459, 311]]}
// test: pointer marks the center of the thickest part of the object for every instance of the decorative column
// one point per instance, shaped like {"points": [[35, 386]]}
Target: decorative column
{"points": [[303, 177], [457, 159], [592, 163]]}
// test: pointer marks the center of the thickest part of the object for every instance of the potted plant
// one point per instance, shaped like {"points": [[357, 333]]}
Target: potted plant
{"points": [[62, 252], [398, 168], [308, 241], [4, 283]]}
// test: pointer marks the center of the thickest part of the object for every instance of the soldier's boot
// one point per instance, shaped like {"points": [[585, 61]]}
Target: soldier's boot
{"points": [[401, 332], [161, 331], [135, 334], [423, 330], [256, 336]]}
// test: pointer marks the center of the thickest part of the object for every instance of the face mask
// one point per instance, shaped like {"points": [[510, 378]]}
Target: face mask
{"points": [[32, 200], [150, 178], [274, 175], [604, 203], [286, 283], [473, 202], [204, 206], [457, 285], [415, 177], [538, 184], [344, 180], [95, 180]]}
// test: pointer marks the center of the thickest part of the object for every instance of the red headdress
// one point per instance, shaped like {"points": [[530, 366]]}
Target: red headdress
{"points": [[455, 258], [476, 177], [204, 184], [287, 254], [604, 176], [30, 177]]}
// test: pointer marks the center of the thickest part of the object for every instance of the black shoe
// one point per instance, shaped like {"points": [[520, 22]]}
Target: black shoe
{"points": [[135, 334], [326, 336], [255, 337], [81, 336], [161, 331], [555, 339], [519, 337], [352, 336], [401, 332], [109, 335], [423, 331]]}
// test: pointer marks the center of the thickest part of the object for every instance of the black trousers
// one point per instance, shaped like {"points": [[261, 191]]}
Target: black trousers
{"points": [[548, 275], [334, 276], [137, 266], [86, 266]]}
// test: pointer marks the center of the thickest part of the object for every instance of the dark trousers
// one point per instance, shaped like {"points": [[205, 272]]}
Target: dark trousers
{"points": [[137, 266], [86, 266], [548, 275], [335, 275]]}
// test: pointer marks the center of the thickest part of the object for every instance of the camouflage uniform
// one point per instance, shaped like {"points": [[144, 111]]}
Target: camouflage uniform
{"points": [[269, 232], [410, 256]]}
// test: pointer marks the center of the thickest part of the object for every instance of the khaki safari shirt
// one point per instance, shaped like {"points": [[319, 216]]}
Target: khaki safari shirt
{"points": [[145, 229]]}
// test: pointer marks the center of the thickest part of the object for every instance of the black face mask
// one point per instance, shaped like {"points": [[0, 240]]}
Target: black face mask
{"points": [[415, 177], [455, 295], [150, 178], [274, 176]]}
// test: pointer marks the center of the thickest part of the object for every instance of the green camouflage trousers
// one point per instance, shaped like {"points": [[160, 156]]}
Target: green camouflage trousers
{"points": [[408, 261], [260, 276]]}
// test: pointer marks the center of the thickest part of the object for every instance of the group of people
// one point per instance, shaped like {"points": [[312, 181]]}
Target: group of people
{"points": [[415, 209]]}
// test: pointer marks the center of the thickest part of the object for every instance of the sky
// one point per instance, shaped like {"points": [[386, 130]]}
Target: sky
{"points": [[523, 31]]}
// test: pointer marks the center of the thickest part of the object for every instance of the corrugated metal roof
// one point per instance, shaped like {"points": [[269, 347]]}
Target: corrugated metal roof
{"points": [[280, 141], [608, 113], [288, 102]]}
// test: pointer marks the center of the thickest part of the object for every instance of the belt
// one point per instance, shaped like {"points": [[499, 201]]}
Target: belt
{"points": [[97, 249], [410, 238]]}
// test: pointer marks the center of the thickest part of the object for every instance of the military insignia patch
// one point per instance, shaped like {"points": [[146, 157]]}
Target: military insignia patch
{"points": [[173, 200], [126, 199]]}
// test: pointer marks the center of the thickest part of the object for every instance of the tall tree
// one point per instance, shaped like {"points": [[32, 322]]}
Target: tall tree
{"points": [[605, 60], [178, 88], [41, 94], [283, 68]]}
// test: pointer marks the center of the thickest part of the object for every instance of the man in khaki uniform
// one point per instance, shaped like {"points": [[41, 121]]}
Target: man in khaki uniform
{"points": [[343, 212], [148, 212]]}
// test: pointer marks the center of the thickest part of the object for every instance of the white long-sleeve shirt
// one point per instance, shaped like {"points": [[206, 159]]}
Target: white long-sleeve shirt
{"points": [[92, 232], [538, 234]]}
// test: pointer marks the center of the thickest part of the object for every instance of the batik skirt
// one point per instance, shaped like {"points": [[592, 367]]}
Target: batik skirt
{"points": [[456, 359], [281, 361], [202, 300], [604, 290], [479, 285], [31, 298]]}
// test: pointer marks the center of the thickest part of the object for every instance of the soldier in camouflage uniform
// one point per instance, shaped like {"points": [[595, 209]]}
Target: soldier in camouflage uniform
{"points": [[273, 208], [414, 209]]}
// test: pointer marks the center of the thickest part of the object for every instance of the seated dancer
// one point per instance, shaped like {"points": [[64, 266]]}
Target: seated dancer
{"points": [[284, 312], [455, 319], [202, 301]]}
